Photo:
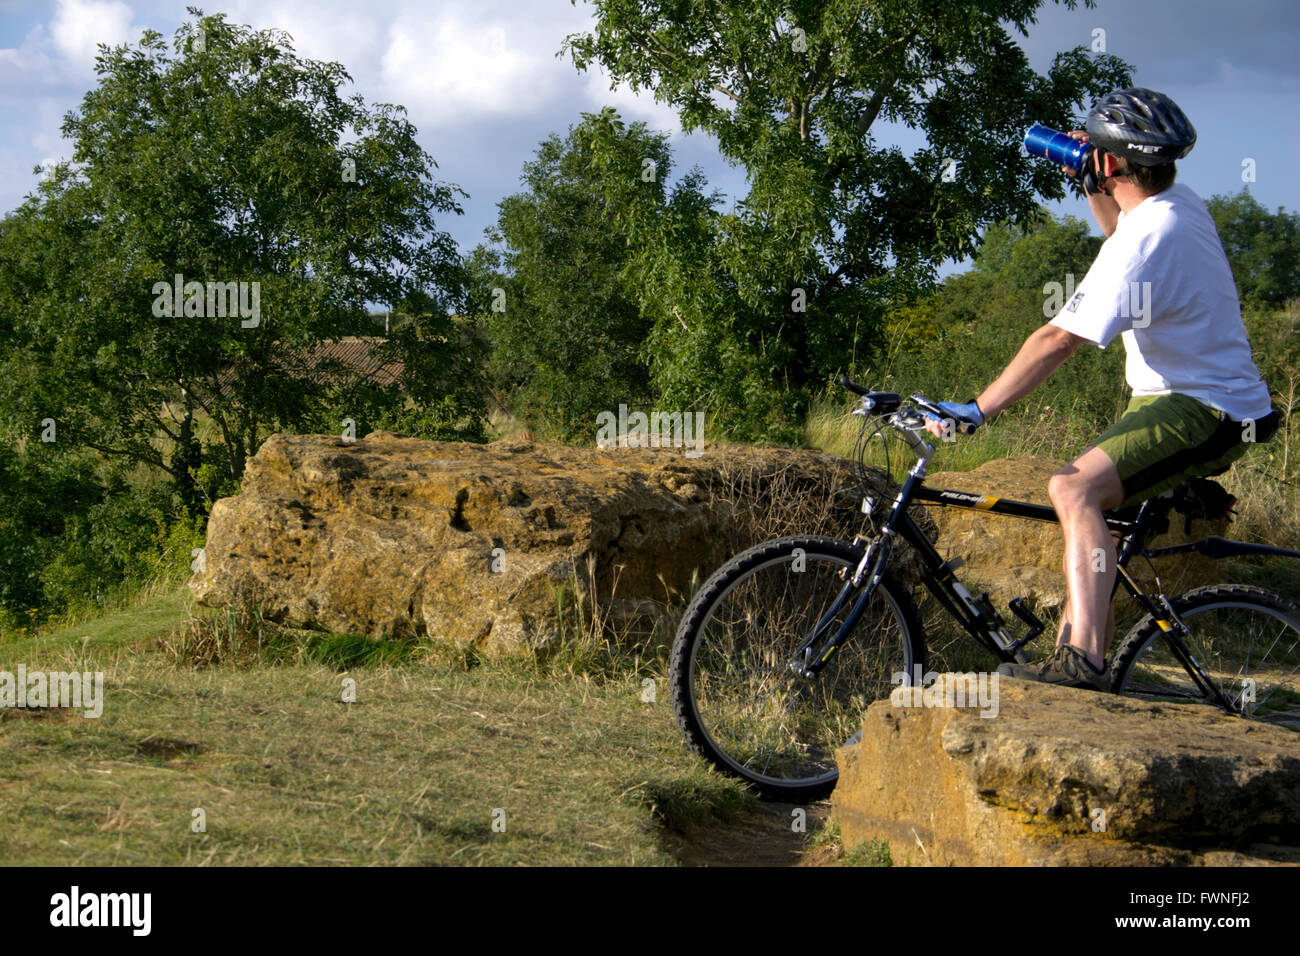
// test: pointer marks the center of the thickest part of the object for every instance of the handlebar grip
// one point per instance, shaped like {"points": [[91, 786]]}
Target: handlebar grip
{"points": [[960, 425], [853, 386]]}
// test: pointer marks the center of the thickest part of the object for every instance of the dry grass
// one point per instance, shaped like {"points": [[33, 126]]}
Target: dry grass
{"points": [[433, 755], [242, 637], [503, 426]]}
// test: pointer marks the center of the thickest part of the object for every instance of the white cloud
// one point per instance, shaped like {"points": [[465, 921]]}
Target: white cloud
{"points": [[348, 34], [631, 106], [24, 67], [46, 135], [445, 71], [80, 25]]}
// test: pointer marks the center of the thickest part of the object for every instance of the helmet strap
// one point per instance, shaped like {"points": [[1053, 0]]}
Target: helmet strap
{"points": [[1106, 170]]}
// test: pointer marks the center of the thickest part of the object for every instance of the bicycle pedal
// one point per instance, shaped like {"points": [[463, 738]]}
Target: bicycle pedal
{"points": [[1021, 610], [1036, 626]]}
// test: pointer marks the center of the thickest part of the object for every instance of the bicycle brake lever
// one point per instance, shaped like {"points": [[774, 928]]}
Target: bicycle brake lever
{"points": [[909, 417]]}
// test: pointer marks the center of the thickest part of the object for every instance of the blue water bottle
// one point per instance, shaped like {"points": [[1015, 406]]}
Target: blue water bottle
{"points": [[1056, 146]]}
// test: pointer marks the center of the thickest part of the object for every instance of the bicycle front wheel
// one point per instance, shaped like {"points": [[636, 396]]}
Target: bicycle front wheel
{"points": [[1245, 639], [737, 699]]}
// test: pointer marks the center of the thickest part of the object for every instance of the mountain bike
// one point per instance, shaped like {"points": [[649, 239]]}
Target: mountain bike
{"points": [[782, 649]]}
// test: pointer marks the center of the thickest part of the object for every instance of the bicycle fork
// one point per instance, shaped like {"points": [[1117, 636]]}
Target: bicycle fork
{"points": [[807, 662], [1161, 610]]}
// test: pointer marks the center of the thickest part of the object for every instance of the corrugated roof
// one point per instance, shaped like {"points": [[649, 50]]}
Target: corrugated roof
{"points": [[321, 363]]}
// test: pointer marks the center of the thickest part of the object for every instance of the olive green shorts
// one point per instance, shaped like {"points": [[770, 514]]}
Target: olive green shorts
{"points": [[1162, 440]]}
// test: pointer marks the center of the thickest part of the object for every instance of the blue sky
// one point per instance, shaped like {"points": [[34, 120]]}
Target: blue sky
{"points": [[481, 80]]}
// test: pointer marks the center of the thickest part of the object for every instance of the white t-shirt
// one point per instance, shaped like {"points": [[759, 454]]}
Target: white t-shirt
{"points": [[1163, 281]]}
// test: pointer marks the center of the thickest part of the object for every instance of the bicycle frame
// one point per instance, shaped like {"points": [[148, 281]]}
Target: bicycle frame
{"points": [[976, 615]]}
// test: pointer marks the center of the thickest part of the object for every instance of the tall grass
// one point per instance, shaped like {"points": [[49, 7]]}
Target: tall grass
{"points": [[1034, 427]]}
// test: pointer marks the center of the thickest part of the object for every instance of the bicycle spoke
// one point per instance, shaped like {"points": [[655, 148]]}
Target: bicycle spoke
{"points": [[753, 711], [1246, 642]]}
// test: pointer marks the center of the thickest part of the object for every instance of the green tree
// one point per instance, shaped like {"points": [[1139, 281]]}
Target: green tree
{"points": [[1019, 278], [568, 335], [1018, 266], [37, 498], [227, 160], [1262, 248], [835, 223]]}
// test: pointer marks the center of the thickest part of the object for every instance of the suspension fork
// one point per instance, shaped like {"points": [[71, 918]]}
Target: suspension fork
{"points": [[1174, 634], [808, 662], [1161, 609]]}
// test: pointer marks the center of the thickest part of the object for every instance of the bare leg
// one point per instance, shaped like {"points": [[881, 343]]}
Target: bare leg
{"points": [[1080, 492], [1063, 632]]}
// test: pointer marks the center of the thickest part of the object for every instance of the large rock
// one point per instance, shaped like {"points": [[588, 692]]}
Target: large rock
{"points": [[484, 545], [1016, 557], [1067, 777]]}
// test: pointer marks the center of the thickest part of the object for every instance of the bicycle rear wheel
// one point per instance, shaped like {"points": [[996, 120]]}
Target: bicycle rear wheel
{"points": [[736, 697], [1246, 639]]}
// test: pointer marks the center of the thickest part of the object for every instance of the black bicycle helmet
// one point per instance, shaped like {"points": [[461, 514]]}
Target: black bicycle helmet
{"points": [[1145, 127]]}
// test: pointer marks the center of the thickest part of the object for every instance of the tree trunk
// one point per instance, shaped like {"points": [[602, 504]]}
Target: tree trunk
{"points": [[186, 460]]}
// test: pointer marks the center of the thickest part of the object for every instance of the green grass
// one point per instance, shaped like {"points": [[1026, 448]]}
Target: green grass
{"points": [[874, 853], [1032, 428], [151, 616], [434, 755], [682, 803]]}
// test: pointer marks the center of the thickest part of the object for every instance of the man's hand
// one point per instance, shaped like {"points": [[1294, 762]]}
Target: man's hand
{"points": [[958, 415], [1091, 184], [1082, 137]]}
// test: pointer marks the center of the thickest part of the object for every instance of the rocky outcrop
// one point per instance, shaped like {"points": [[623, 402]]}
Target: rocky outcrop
{"points": [[501, 546], [1056, 776], [1013, 557]]}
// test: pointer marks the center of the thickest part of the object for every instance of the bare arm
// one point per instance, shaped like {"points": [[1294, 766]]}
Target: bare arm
{"points": [[1041, 355], [1106, 211]]}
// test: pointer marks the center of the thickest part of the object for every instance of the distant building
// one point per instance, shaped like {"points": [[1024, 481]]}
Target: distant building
{"points": [[332, 361]]}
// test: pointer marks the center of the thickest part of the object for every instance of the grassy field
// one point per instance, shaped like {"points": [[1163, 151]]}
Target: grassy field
{"points": [[257, 759], [227, 741]]}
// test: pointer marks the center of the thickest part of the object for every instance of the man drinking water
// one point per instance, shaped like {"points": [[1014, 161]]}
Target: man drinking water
{"points": [[1162, 282]]}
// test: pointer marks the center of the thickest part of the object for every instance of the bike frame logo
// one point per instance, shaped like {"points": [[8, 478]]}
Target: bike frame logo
{"points": [[656, 430], [931, 689]]}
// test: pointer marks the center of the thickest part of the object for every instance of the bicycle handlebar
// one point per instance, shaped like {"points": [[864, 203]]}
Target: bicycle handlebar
{"points": [[853, 386], [886, 403]]}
